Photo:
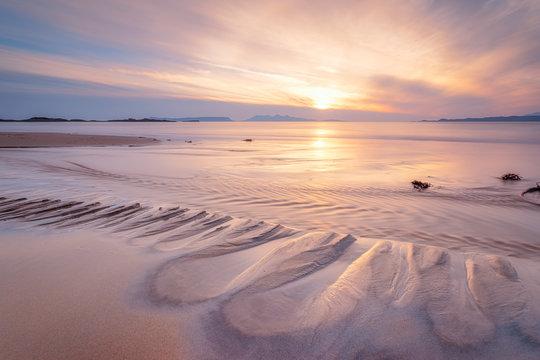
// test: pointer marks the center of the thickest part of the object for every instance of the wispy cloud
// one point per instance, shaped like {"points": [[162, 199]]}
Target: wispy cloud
{"points": [[425, 57]]}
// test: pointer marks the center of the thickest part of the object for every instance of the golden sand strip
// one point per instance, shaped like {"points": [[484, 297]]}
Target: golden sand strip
{"points": [[35, 139]]}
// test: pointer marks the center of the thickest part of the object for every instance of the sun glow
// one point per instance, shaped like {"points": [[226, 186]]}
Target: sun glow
{"points": [[318, 143], [324, 98], [322, 105]]}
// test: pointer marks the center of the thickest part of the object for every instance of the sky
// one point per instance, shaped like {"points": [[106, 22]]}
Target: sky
{"points": [[342, 59]]}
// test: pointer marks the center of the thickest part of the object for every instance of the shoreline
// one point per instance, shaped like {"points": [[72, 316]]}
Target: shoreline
{"points": [[224, 249], [13, 140]]}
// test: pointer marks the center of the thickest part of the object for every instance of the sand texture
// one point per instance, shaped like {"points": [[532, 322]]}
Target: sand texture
{"points": [[249, 289], [36, 139]]}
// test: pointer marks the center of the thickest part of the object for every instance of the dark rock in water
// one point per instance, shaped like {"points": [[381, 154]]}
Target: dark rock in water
{"points": [[420, 185], [189, 141], [511, 176], [248, 140]]}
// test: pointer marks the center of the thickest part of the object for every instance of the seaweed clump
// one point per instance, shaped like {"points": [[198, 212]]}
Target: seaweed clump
{"points": [[511, 177], [533, 189], [420, 185]]}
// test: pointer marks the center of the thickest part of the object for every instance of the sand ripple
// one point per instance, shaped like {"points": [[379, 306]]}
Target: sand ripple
{"points": [[266, 290]]}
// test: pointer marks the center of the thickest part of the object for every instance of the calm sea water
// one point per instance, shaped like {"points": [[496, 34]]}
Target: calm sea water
{"points": [[344, 177]]}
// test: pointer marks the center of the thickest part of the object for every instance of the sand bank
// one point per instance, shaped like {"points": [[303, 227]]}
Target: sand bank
{"points": [[248, 289], [35, 139]]}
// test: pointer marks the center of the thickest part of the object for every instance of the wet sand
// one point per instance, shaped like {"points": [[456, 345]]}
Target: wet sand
{"points": [[64, 296], [242, 289], [36, 139], [89, 273]]}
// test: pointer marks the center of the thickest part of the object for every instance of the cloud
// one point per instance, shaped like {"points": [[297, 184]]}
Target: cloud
{"points": [[17, 81], [417, 56], [403, 95]]}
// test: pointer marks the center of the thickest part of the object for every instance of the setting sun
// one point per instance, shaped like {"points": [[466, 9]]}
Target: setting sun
{"points": [[325, 98], [322, 105]]}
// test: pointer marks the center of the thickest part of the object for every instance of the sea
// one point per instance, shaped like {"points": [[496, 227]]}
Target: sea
{"points": [[344, 177]]}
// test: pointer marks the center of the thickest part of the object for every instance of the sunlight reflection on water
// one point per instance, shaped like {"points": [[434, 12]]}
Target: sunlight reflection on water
{"points": [[346, 177]]}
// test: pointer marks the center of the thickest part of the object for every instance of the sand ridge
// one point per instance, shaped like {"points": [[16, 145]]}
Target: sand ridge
{"points": [[267, 287]]}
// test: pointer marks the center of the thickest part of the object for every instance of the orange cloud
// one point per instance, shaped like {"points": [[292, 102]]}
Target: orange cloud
{"points": [[417, 56]]}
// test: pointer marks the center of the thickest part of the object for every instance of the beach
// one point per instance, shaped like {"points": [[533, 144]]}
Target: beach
{"points": [[36, 140], [308, 242], [63, 297]]}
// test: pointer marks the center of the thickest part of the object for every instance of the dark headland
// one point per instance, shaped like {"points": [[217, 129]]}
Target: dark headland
{"points": [[151, 120], [47, 119]]}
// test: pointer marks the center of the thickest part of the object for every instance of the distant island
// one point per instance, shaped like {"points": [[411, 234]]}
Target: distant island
{"points": [[281, 118], [270, 118], [194, 119], [151, 119], [524, 118], [47, 119]]}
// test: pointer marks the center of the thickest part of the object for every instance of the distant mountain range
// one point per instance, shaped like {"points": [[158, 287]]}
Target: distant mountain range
{"points": [[275, 118], [527, 118]]}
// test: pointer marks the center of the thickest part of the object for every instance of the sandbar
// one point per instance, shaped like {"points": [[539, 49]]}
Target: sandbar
{"points": [[38, 139]]}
